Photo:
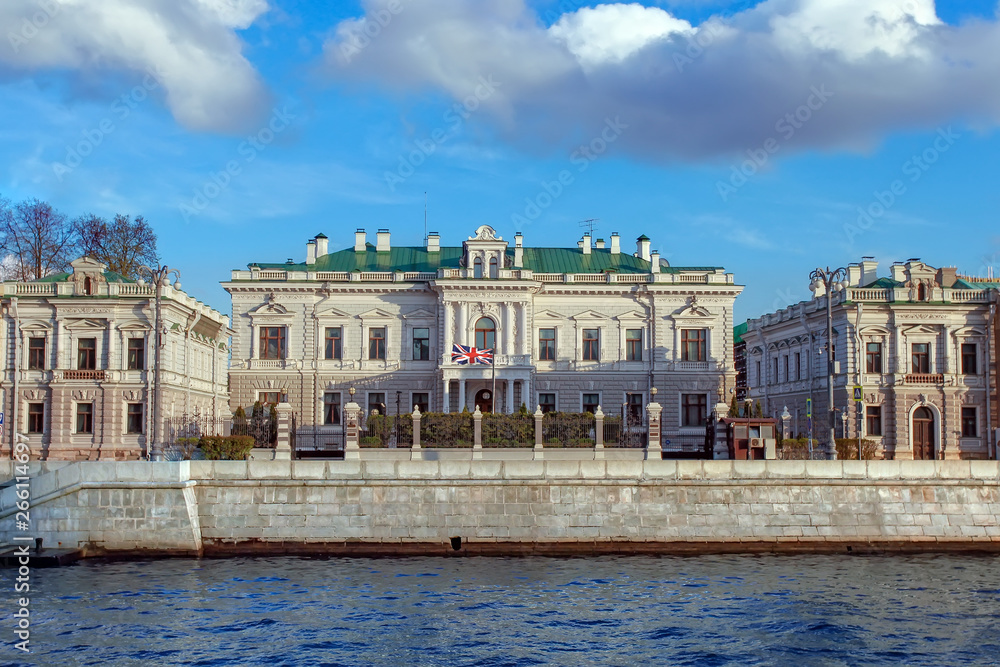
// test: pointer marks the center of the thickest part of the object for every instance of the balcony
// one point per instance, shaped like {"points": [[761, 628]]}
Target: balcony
{"points": [[925, 378], [83, 375]]}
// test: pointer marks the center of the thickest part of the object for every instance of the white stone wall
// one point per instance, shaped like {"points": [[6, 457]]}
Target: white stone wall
{"points": [[389, 507]]}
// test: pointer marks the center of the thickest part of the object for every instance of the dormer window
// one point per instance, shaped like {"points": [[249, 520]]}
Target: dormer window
{"points": [[493, 267], [477, 268]]}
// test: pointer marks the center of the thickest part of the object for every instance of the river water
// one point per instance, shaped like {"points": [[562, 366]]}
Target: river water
{"points": [[710, 610]]}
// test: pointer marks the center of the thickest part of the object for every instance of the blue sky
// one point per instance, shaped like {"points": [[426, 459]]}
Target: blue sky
{"points": [[672, 97]]}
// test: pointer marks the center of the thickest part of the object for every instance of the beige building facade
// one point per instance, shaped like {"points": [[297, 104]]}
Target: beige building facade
{"points": [[78, 352], [571, 329], [918, 345]]}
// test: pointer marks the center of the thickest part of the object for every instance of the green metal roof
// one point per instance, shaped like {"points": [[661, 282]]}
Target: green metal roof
{"points": [[883, 283], [738, 332], [964, 284], [539, 260], [110, 276]]}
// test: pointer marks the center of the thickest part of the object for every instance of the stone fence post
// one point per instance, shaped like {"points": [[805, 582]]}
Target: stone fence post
{"points": [[539, 418], [477, 434], [654, 450], [415, 453], [599, 433], [352, 448], [283, 444]]}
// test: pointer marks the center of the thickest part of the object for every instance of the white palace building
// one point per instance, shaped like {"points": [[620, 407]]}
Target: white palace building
{"points": [[572, 328]]}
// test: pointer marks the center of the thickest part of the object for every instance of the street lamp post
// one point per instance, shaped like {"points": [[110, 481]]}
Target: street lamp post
{"points": [[829, 279], [160, 277]]}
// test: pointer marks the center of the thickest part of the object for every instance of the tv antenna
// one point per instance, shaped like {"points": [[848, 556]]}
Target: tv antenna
{"points": [[425, 218], [590, 224]]}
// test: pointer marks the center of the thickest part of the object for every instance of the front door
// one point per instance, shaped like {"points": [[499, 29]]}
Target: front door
{"points": [[923, 434], [484, 400]]}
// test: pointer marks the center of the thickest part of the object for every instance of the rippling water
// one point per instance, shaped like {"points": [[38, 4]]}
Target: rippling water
{"points": [[712, 610]]}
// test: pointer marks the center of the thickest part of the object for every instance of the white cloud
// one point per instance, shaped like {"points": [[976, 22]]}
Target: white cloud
{"points": [[190, 45], [688, 92], [611, 33]]}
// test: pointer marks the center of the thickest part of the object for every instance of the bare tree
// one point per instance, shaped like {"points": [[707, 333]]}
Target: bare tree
{"points": [[124, 244], [38, 237]]}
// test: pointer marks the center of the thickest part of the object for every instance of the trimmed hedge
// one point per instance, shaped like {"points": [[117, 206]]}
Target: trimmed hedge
{"points": [[379, 429], [568, 429], [847, 449], [516, 430], [453, 429], [226, 447]]}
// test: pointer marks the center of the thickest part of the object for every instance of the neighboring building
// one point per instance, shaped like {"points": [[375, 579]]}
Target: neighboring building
{"points": [[740, 362], [78, 355], [573, 328], [917, 342]]}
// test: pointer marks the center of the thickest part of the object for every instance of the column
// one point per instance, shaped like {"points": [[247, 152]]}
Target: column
{"points": [[461, 395], [352, 448], [949, 358], [463, 317], [447, 339], [509, 396], [447, 396], [522, 327], [508, 329], [283, 448]]}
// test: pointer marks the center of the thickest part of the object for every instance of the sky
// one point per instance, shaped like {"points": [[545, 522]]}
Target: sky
{"points": [[765, 137]]}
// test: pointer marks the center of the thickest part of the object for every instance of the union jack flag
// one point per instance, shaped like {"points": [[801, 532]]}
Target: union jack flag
{"points": [[462, 354]]}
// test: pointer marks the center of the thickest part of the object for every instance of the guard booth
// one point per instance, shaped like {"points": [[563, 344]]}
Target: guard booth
{"points": [[742, 439]]}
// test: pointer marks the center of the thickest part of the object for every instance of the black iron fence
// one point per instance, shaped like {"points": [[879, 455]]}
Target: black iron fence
{"points": [[568, 429], [627, 429]]}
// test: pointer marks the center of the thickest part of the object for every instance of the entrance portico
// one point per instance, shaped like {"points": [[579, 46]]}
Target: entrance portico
{"points": [[463, 386]]}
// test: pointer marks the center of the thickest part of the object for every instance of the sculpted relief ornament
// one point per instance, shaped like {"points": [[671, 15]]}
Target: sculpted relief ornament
{"points": [[485, 233]]}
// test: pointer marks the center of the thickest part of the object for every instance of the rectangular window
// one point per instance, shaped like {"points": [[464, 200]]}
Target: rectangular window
{"points": [[970, 426], [36, 417], [272, 342], [136, 354], [36, 354], [84, 417], [591, 345], [873, 358], [774, 368], [376, 401], [633, 345], [921, 357], [798, 366], [694, 409], [633, 403], [421, 344], [86, 354], [694, 344], [760, 380], [547, 402], [376, 343], [331, 407], [969, 359], [590, 402], [546, 344], [134, 418], [873, 420], [269, 397], [788, 377], [333, 343], [420, 400]]}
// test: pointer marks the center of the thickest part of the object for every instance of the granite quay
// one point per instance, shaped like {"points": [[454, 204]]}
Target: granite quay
{"points": [[373, 506]]}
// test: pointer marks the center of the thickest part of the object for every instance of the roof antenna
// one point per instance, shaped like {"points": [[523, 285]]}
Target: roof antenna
{"points": [[425, 218], [590, 225]]}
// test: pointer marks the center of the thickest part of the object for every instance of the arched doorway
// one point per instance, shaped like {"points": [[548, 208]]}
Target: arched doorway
{"points": [[923, 434], [484, 400]]}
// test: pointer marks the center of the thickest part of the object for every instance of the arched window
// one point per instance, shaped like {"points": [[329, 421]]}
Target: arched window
{"points": [[477, 268], [88, 287], [921, 292], [493, 267], [486, 334]]}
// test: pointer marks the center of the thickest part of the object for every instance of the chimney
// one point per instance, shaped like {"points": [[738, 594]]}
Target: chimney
{"points": [[359, 241], [311, 251], [869, 271], [655, 261], [854, 275], [615, 243], [585, 244], [599, 244], [322, 245], [382, 240], [899, 272], [642, 247], [947, 275], [518, 251], [433, 242]]}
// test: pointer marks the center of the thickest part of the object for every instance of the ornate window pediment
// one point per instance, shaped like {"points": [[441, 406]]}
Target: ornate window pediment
{"points": [[632, 317], [549, 315], [135, 325], [419, 314], [589, 315], [36, 326], [333, 313], [377, 314], [86, 325]]}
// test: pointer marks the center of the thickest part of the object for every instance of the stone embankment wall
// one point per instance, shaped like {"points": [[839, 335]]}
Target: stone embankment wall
{"points": [[401, 507]]}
